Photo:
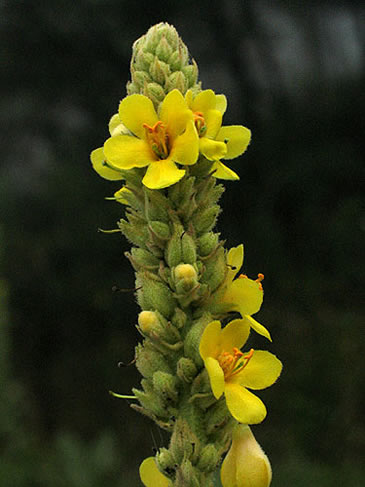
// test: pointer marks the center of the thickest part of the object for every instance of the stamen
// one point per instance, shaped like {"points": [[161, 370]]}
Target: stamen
{"points": [[157, 138], [200, 123], [242, 276], [260, 277]]}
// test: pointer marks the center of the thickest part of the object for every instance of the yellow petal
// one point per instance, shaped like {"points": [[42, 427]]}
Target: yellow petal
{"points": [[134, 111], [262, 371], [113, 123], [216, 376], [98, 163], [211, 149], [243, 405], [175, 113], [150, 474], [204, 101], [161, 174], [245, 294], [235, 334], [210, 340], [126, 152], [234, 261], [213, 120], [260, 329], [185, 149], [237, 139], [223, 172], [221, 103], [120, 195]]}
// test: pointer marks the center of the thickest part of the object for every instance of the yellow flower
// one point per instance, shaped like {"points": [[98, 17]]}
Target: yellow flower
{"points": [[231, 371], [244, 294], [143, 138], [245, 465], [150, 474], [217, 142]]}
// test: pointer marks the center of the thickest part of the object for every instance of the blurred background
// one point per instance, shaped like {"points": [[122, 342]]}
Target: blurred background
{"points": [[293, 73]]}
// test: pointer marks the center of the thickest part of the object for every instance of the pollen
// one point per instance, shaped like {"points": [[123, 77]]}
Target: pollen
{"points": [[260, 277]]}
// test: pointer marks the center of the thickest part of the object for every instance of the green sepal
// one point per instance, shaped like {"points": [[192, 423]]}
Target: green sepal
{"points": [[204, 221], [166, 386], [136, 234], [186, 475], [154, 294], [173, 251], [192, 339], [160, 232], [142, 259], [150, 400], [215, 270], [186, 369], [183, 441], [188, 248], [156, 206], [209, 458], [166, 462], [149, 360], [163, 50], [179, 318], [207, 243]]}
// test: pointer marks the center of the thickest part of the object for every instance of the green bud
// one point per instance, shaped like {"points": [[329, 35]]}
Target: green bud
{"points": [[159, 231], [185, 278], [141, 78], [192, 340], [156, 206], [179, 318], [136, 234], [215, 270], [204, 221], [142, 60], [154, 294], [183, 441], [191, 74], [165, 385], [186, 475], [148, 361], [173, 251], [177, 80], [159, 71], [153, 325], [218, 417], [207, 243], [150, 400], [142, 259], [163, 50], [188, 248], [165, 461], [155, 92], [209, 458], [186, 369]]}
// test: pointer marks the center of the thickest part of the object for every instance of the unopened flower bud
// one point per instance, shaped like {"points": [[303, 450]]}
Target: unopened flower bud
{"points": [[186, 278], [245, 465], [148, 321]]}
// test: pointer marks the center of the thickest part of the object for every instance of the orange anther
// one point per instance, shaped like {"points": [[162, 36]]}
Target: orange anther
{"points": [[242, 276], [237, 353], [260, 277]]}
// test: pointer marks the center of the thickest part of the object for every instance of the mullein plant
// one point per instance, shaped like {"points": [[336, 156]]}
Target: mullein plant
{"points": [[167, 145]]}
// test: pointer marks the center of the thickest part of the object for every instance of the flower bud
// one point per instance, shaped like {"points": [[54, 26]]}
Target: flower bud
{"points": [[245, 465], [208, 458], [186, 369], [165, 385]]}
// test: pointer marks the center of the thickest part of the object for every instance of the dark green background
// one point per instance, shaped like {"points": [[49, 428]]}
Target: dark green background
{"points": [[293, 73]]}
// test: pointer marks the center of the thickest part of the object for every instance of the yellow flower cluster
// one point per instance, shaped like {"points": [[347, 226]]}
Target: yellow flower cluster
{"points": [[162, 142]]}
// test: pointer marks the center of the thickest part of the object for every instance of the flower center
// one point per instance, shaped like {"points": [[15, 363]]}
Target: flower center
{"points": [[200, 123], [158, 139], [233, 362]]}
